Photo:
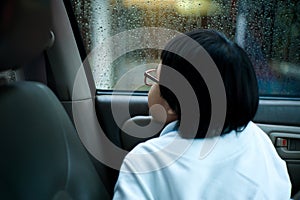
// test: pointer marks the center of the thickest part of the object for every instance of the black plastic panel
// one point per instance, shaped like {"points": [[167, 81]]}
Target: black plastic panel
{"points": [[279, 112]]}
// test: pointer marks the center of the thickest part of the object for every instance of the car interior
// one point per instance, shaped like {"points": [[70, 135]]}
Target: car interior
{"points": [[60, 136]]}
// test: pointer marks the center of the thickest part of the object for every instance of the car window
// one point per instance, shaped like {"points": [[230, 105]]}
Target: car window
{"points": [[269, 31]]}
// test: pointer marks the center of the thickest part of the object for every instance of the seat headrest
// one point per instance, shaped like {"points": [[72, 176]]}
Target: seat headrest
{"points": [[24, 30]]}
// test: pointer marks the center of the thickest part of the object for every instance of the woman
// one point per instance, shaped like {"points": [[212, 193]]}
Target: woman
{"points": [[241, 162]]}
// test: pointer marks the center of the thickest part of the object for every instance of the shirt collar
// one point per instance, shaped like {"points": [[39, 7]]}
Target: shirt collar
{"points": [[170, 128]]}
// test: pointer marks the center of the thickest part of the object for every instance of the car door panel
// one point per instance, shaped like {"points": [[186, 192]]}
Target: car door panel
{"points": [[291, 156], [137, 105]]}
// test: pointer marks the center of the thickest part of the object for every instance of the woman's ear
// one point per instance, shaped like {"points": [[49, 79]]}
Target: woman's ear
{"points": [[170, 111], [171, 114]]}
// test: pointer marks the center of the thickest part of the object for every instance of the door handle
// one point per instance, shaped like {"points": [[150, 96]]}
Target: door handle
{"points": [[286, 144]]}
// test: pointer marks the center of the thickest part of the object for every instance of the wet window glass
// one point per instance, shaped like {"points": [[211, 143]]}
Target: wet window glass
{"points": [[269, 31]]}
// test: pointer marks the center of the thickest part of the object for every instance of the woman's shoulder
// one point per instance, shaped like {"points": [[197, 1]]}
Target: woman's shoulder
{"points": [[254, 131]]}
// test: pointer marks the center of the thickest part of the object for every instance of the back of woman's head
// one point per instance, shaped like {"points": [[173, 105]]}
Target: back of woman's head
{"points": [[236, 71]]}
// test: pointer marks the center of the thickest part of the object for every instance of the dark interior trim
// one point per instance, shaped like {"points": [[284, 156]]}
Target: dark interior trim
{"points": [[75, 28]]}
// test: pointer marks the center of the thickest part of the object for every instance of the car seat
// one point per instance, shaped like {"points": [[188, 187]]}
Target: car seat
{"points": [[41, 154]]}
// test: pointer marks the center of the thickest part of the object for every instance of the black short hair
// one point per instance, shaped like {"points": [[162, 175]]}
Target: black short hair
{"points": [[236, 71]]}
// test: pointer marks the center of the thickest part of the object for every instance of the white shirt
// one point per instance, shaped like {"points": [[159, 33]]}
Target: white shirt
{"points": [[241, 165]]}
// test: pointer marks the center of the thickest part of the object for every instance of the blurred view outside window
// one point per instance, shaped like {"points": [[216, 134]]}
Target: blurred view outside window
{"points": [[268, 30]]}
